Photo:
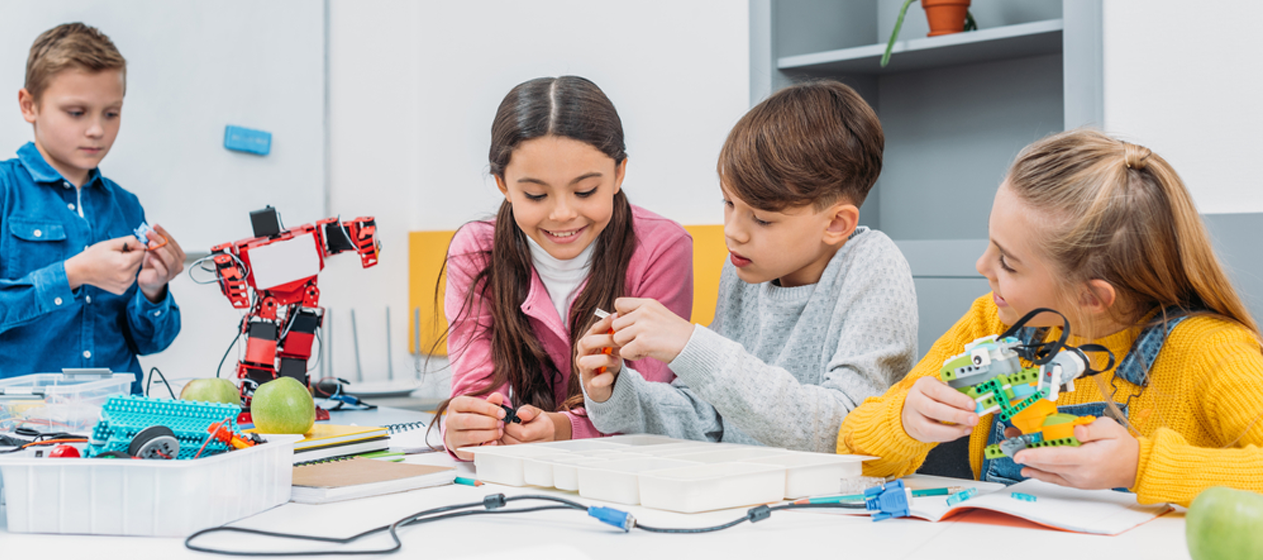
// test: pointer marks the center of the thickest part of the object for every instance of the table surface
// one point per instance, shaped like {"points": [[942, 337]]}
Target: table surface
{"points": [[568, 534]]}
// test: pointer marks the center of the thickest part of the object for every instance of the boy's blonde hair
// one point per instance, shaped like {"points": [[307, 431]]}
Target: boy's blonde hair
{"points": [[69, 46], [1118, 212]]}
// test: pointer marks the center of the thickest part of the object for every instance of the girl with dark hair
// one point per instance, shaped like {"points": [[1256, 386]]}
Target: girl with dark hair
{"points": [[564, 243]]}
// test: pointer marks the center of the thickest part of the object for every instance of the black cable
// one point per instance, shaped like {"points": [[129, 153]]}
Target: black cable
{"points": [[492, 504], [234, 343], [149, 382]]}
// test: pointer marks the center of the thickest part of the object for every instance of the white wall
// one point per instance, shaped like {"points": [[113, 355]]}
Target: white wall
{"points": [[414, 89], [1186, 80]]}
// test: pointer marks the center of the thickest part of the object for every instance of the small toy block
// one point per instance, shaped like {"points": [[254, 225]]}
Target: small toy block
{"points": [[961, 496], [1028, 401], [1021, 496], [1031, 419], [993, 451], [888, 501], [1060, 442]]}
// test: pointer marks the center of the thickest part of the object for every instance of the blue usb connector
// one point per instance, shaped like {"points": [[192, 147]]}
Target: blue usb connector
{"points": [[611, 516]]}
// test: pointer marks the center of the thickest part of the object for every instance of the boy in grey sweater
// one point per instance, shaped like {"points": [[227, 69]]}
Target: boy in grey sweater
{"points": [[815, 313]]}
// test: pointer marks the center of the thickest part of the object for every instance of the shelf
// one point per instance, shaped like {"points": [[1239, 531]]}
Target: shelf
{"points": [[999, 43]]}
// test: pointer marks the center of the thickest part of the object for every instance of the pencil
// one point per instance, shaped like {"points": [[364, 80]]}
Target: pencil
{"points": [[468, 481]]}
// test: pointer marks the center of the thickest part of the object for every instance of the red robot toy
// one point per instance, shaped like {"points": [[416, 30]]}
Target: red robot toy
{"points": [[280, 267]]}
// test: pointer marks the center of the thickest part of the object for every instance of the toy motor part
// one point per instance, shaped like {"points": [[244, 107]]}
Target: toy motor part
{"points": [[510, 415], [223, 434], [890, 500], [154, 442], [279, 268], [142, 233]]}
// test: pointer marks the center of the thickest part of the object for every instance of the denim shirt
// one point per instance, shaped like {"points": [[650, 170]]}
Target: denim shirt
{"points": [[44, 325]]}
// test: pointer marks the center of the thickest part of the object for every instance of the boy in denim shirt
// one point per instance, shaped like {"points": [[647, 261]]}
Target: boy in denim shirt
{"points": [[77, 288]]}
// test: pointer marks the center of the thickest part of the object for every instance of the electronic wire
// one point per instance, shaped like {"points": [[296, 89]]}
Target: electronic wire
{"points": [[491, 504]]}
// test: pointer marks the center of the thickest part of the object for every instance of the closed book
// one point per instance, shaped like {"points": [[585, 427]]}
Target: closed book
{"points": [[341, 449], [321, 435], [359, 477]]}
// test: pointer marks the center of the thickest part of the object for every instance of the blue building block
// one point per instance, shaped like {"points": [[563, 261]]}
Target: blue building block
{"points": [[248, 140], [1023, 497], [888, 501], [123, 416], [961, 496]]}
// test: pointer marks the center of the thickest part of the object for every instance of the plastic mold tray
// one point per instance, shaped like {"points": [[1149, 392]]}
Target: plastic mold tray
{"points": [[663, 473], [146, 498]]}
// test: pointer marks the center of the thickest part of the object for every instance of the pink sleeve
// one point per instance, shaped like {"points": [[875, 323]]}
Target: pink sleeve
{"points": [[468, 340], [665, 274]]}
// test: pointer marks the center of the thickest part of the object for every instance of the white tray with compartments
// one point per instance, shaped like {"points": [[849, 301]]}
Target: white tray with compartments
{"points": [[665, 473]]}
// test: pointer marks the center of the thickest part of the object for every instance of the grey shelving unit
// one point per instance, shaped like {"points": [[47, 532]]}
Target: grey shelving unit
{"points": [[956, 109]]}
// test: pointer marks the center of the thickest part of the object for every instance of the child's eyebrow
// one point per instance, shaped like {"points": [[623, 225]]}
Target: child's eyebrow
{"points": [[1005, 252], [587, 175]]}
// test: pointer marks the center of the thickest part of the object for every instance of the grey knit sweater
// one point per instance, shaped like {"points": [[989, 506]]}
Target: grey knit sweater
{"points": [[782, 366]]}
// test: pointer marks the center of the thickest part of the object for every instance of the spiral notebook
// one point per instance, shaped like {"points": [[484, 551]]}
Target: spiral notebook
{"points": [[359, 477], [413, 437]]}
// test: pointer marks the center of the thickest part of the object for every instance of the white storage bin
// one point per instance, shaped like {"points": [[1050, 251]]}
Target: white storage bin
{"points": [[565, 469], [145, 497], [59, 402], [641, 439], [814, 474], [730, 455], [615, 481], [503, 464], [681, 448], [581, 445], [538, 471], [712, 486]]}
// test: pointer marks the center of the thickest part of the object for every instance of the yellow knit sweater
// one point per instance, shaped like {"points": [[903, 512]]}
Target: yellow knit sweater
{"points": [[1199, 419]]}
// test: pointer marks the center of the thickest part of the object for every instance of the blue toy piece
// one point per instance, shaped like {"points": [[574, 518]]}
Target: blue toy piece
{"points": [[142, 232], [124, 416], [961, 496], [1023, 497], [888, 501]]}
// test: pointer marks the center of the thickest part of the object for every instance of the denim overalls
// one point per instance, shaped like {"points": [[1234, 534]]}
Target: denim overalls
{"points": [[1146, 348]]}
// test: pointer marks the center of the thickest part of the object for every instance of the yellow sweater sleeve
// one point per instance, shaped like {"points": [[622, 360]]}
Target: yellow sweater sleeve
{"points": [[1225, 365], [876, 427]]}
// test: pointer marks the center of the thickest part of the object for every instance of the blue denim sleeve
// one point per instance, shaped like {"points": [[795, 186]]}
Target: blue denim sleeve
{"points": [[153, 325], [42, 291]]}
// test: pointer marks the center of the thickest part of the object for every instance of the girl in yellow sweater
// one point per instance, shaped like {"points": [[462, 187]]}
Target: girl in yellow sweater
{"points": [[1105, 232]]}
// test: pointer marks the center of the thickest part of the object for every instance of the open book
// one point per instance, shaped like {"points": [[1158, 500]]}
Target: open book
{"points": [[359, 477], [1100, 512]]}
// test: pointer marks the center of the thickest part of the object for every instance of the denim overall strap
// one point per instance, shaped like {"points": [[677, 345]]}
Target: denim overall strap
{"points": [[1138, 362]]}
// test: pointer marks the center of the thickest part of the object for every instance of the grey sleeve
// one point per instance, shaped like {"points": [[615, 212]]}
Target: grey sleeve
{"points": [[874, 323], [637, 406]]}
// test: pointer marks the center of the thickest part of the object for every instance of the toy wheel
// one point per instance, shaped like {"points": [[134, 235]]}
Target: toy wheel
{"points": [[155, 442]]}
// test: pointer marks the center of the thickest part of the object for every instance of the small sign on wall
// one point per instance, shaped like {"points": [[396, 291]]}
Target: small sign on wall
{"points": [[241, 139]]}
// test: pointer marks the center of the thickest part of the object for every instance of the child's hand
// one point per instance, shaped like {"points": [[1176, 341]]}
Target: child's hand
{"points": [[473, 421], [933, 412], [591, 357], [161, 265], [1107, 459], [110, 265], [536, 426], [646, 328]]}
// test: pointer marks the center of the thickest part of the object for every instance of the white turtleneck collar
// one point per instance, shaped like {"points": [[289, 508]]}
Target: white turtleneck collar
{"points": [[562, 278]]}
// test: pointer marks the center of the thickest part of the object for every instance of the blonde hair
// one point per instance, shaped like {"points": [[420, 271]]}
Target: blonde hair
{"points": [[1118, 212], [69, 46]]}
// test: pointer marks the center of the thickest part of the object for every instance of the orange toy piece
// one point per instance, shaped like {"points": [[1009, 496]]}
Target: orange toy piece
{"points": [[221, 433]]}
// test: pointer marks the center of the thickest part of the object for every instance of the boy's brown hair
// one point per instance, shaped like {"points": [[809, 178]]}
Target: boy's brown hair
{"points": [[67, 46], [815, 143]]}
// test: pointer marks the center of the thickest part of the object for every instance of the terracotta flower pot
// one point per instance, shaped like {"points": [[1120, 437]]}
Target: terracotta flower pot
{"points": [[945, 16]]}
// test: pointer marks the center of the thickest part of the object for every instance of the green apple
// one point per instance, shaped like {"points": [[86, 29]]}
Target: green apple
{"points": [[214, 389], [1223, 524], [283, 406]]}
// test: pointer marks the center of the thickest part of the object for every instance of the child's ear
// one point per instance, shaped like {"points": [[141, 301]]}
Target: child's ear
{"points": [[1098, 296], [620, 171], [843, 219], [504, 189], [26, 102]]}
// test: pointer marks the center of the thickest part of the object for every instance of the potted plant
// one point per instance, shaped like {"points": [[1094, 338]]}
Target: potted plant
{"points": [[944, 16]]}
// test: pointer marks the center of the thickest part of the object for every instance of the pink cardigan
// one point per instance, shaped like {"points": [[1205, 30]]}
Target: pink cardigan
{"points": [[661, 268]]}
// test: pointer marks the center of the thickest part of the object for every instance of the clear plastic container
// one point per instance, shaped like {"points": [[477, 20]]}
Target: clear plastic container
{"points": [[59, 402], [145, 498]]}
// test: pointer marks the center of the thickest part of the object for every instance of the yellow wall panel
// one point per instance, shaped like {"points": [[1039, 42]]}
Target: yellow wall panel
{"points": [[709, 254]]}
